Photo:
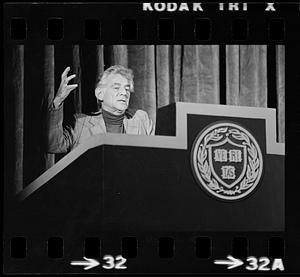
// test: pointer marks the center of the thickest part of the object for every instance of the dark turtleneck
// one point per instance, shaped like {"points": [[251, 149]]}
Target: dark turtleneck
{"points": [[113, 123]]}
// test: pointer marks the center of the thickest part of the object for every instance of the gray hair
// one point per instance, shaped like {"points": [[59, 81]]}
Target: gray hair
{"points": [[115, 69]]}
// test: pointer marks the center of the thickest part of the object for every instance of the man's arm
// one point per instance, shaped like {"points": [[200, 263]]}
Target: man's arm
{"points": [[60, 139], [147, 123]]}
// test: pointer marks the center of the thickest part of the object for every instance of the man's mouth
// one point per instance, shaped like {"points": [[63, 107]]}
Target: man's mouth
{"points": [[122, 100]]}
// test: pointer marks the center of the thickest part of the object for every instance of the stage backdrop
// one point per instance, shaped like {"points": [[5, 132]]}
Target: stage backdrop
{"points": [[246, 75]]}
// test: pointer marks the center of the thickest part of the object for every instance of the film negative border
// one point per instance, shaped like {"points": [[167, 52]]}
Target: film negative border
{"points": [[26, 23], [160, 252], [161, 23]]}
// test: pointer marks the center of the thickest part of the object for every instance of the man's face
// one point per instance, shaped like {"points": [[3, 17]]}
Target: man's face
{"points": [[116, 95]]}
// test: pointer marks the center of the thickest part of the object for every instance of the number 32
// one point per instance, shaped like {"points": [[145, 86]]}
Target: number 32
{"points": [[253, 265], [116, 263]]}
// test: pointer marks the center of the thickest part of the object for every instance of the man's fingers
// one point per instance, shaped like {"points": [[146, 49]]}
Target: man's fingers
{"points": [[71, 87], [70, 77], [65, 73]]}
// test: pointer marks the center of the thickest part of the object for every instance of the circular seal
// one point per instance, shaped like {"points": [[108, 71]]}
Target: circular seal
{"points": [[226, 161]]}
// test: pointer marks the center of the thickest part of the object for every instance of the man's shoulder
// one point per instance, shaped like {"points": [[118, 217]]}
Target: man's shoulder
{"points": [[83, 119], [141, 115], [145, 124]]}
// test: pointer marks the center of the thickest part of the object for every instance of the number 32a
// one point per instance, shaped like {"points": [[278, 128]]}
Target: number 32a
{"points": [[263, 264]]}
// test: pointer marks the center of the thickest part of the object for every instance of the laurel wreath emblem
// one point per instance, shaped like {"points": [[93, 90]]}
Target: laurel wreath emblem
{"points": [[253, 161]]}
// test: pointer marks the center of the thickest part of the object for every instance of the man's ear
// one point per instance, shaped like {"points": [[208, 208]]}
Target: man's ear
{"points": [[99, 93]]}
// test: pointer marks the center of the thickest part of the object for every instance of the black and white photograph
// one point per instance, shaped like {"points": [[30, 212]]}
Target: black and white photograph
{"points": [[133, 156]]}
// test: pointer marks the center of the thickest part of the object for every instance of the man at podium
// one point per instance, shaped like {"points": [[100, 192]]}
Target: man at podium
{"points": [[113, 90]]}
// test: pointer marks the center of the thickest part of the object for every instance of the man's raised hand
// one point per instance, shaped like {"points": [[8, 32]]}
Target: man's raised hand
{"points": [[64, 89]]}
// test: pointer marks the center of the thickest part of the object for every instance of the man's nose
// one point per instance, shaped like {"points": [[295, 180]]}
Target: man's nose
{"points": [[122, 91]]}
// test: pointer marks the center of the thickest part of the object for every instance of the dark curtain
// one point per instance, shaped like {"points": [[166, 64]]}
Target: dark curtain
{"points": [[163, 74]]}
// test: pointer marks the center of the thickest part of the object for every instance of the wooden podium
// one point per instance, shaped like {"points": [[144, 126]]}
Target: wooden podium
{"points": [[143, 184]]}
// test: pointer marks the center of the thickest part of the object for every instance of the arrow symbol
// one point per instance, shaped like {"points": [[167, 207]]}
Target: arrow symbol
{"points": [[88, 263], [231, 262]]}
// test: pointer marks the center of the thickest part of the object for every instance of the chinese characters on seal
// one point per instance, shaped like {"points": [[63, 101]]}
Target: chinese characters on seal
{"points": [[227, 161]]}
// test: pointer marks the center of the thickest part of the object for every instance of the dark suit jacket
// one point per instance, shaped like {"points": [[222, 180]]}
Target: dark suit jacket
{"points": [[62, 140]]}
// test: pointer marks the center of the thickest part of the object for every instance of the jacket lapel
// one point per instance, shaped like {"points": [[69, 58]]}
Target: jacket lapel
{"points": [[97, 125], [130, 126]]}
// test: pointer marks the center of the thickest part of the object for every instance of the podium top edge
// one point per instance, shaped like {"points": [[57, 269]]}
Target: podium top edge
{"points": [[180, 103]]}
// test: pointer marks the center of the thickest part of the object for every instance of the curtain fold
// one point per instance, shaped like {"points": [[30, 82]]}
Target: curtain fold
{"points": [[200, 80], [18, 92], [77, 70], [232, 74], [176, 86], [100, 66], [253, 75], [164, 80], [89, 63], [49, 78], [246, 75], [280, 86], [100, 61], [141, 60], [168, 74], [119, 55]]}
